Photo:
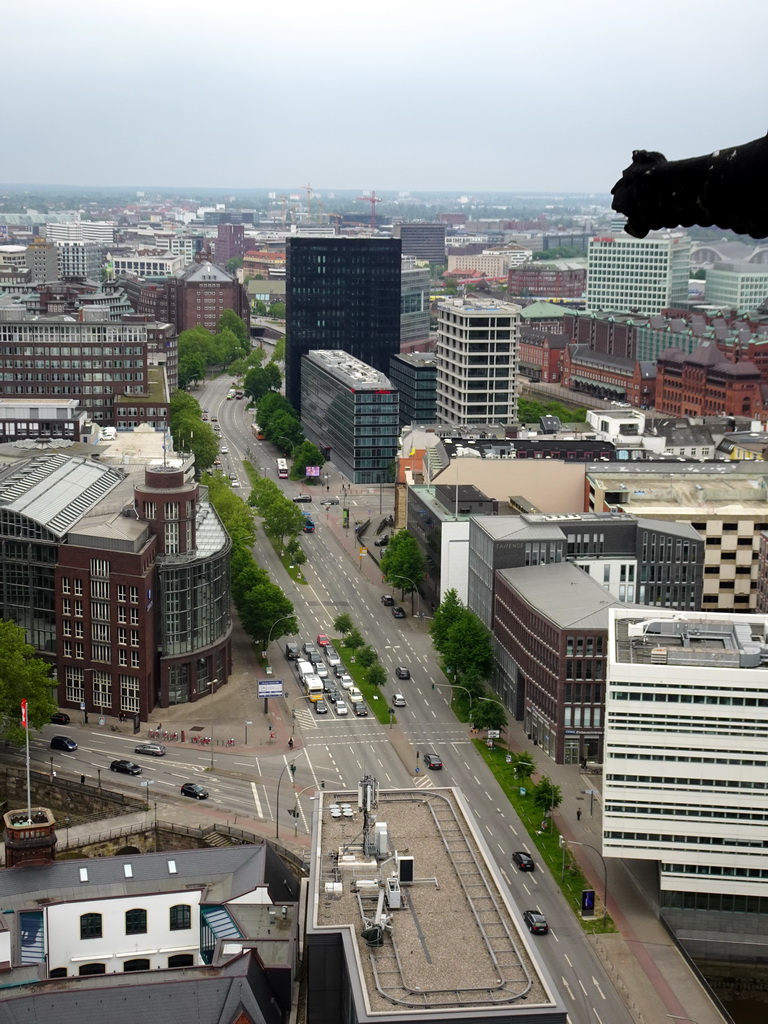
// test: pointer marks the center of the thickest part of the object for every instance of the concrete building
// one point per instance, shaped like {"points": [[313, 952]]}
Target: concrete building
{"points": [[42, 260], [342, 294], [100, 232], [42, 418], [739, 286], [477, 343], [548, 279], [414, 374], [424, 241], [148, 264], [724, 502], [490, 264], [414, 307], [350, 411], [13, 256], [80, 261], [469, 957], [637, 275], [684, 775]]}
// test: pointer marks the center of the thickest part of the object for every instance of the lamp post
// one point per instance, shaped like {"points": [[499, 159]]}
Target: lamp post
{"points": [[605, 882], [269, 641], [288, 764], [246, 724], [295, 811], [397, 576]]}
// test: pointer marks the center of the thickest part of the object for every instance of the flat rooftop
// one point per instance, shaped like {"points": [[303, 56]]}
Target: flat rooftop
{"points": [[698, 640], [349, 370], [457, 948]]}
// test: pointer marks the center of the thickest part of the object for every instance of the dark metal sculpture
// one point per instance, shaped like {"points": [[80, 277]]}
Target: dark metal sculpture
{"points": [[727, 188]]}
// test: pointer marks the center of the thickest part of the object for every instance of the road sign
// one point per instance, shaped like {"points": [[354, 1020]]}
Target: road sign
{"points": [[363, 551], [493, 734], [270, 687]]}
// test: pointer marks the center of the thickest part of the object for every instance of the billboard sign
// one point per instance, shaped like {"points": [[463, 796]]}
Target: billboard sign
{"points": [[312, 471], [270, 688]]}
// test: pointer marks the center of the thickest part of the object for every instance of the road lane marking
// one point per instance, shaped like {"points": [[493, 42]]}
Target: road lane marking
{"points": [[256, 800]]}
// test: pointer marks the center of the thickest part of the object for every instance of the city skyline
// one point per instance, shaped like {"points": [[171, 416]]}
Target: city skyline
{"points": [[416, 97]]}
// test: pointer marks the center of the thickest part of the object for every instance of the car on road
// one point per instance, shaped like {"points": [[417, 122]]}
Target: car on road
{"points": [[341, 708], [152, 749], [402, 672], [292, 651], [339, 670], [224, 450], [320, 670], [63, 743], [361, 710], [217, 461], [321, 708], [332, 694], [196, 792], [398, 612], [302, 497], [330, 501], [234, 481], [126, 767], [523, 860], [60, 718], [536, 922], [398, 701], [322, 640], [347, 681], [388, 600], [381, 542], [432, 761], [354, 694], [332, 657], [309, 648]]}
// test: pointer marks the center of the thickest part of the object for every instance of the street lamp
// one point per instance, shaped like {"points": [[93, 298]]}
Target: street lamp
{"points": [[605, 883], [246, 724], [288, 764], [269, 638], [290, 444], [397, 576]]}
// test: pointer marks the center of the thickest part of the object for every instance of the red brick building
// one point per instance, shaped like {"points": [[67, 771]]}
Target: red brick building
{"points": [[605, 376], [552, 280], [708, 383], [540, 354], [198, 297]]}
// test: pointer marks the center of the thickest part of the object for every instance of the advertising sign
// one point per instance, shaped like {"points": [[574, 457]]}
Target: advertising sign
{"points": [[312, 471], [270, 687]]}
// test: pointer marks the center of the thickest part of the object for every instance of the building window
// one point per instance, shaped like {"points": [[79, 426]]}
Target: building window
{"points": [[92, 968], [90, 928], [139, 964], [135, 922], [181, 960], [102, 689], [181, 917], [100, 567], [74, 684], [129, 693]]}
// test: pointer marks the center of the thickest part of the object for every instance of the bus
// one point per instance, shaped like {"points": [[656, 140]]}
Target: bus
{"points": [[282, 469]]}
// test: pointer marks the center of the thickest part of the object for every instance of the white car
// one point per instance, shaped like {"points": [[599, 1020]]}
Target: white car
{"points": [[235, 483], [347, 681], [332, 657], [341, 708], [224, 450], [355, 695], [321, 670], [398, 701]]}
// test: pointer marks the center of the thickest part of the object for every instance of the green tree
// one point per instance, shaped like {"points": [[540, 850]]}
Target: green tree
{"points": [[260, 380], [278, 356], [262, 610], [233, 265], [283, 519], [446, 614], [305, 454], [546, 795], [402, 564], [376, 674], [192, 435], [488, 714], [354, 639], [284, 427], [467, 647], [523, 765], [277, 310], [229, 320], [191, 369], [367, 656], [183, 404], [23, 676], [258, 308], [295, 552], [343, 624]]}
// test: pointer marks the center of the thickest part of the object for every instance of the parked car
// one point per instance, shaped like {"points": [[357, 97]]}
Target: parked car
{"points": [[63, 743], [523, 860], [196, 792], [398, 701], [432, 761], [153, 749], [321, 708], [536, 922], [323, 640], [388, 600], [302, 497], [332, 657], [330, 501], [381, 542], [60, 718], [402, 672], [398, 612], [360, 709], [341, 708], [126, 767]]}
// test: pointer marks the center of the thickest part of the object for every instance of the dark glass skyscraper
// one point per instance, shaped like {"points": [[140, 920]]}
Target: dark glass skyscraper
{"points": [[341, 293]]}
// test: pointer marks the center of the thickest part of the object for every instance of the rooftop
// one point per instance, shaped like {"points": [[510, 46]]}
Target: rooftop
{"points": [[354, 372], [563, 593], [695, 640]]}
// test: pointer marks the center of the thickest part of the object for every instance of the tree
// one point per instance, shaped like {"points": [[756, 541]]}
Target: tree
{"points": [[283, 519], [402, 564], [233, 264], [343, 624], [305, 454], [376, 674], [191, 369], [22, 676], [192, 435], [367, 656], [278, 355], [546, 795], [285, 431], [277, 310], [229, 320], [260, 380], [354, 639], [523, 765], [258, 308], [446, 614], [468, 647], [487, 713], [183, 404], [262, 610]]}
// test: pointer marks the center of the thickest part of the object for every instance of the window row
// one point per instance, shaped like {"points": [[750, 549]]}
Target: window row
{"points": [[137, 964], [179, 919]]}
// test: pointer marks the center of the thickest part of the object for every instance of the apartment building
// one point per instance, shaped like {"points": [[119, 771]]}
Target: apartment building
{"points": [[633, 275], [742, 286]]}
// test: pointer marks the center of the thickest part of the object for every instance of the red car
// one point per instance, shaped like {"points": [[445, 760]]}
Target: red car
{"points": [[323, 640]]}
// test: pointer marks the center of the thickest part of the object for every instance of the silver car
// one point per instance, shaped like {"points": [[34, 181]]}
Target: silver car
{"points": [[321, 670], [153, 749], [332, 657]]}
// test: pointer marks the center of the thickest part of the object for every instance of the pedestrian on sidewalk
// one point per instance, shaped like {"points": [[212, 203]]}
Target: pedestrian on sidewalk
{"points": [[290, 742], [82, 780], [578, 814]]}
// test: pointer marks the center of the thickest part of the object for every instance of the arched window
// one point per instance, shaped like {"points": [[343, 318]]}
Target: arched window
{"points": [[181, 917], [90, 926], [181, 960], [135, 922], [58, 972], [92, 969], [139, 964]]}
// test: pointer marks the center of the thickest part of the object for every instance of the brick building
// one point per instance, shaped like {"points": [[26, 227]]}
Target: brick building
{"points": [[230, 243], [553, 279], [706, 383], [608, 376], [540, 354], [199, 295]]}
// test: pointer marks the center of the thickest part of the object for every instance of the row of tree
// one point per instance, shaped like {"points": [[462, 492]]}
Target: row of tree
{"points": [[262, 607], [281, 425], [190, 433], [283, 519], [365, 655], [200, 349], [402, 564]]}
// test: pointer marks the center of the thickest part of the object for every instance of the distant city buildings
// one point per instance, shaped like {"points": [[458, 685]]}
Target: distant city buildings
{"points": [[632, 275], [423, 241], [742, 286]]}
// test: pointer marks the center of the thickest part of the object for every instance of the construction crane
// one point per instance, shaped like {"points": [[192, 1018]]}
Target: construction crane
{"points": [[308, 189], [372, 199]]}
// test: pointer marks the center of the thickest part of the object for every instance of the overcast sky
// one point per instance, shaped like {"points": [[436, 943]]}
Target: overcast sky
{"points": [[511, 95]]}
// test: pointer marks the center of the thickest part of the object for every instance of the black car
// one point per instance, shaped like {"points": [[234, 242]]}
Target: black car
{"points": [[381, 542], [303, 497], [63, 743], [60, 718], [330, 501], [360, 709], [196, 792], [126, 767], [536, 922], [309, 648], [321, 708], [432, 761], [523, 860], [388, 600], [292, 651], [339, 670], [398, 612], [402, 672]]}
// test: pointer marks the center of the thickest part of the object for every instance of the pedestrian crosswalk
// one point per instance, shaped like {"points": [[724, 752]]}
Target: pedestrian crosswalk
{"points": [[305, 719], [423, 782]]}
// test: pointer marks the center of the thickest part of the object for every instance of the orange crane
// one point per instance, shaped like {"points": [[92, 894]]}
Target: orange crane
{"points": [[372, 199]]}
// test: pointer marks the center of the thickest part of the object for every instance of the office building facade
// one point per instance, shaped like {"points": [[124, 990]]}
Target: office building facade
{"points": [[742, 287], [414, 374], [423, 241], [342, 294], [414, 309], [349, 410], [477, 345], [637, 275]]}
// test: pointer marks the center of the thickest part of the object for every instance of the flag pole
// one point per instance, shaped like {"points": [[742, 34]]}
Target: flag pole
{"points": [[25, 723]]}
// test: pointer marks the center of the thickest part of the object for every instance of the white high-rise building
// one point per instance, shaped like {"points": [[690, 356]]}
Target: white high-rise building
{"points": [[637, 275], [477, 344], [685, 774], [81, 260]]}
